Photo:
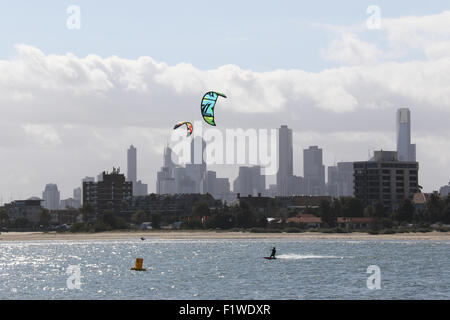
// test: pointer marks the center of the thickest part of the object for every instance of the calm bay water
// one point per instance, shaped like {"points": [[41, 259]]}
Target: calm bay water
{"points": [[225, 269]]}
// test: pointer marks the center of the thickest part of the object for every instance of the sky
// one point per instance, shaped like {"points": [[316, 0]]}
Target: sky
{"points": [[72, 100]]}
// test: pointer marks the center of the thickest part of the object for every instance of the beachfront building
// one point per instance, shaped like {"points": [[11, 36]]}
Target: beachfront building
{"points": [[28, 209], [385, 179], [108, 193]]}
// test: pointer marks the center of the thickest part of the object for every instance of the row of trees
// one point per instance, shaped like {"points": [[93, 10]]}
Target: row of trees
{"points": [[436, 210]]}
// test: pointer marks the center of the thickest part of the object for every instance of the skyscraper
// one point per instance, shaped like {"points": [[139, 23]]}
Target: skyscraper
{"points": [[285, 159], [250, 181], [332, 183], [314, 171], [77, 194], [405, 150], [51, 197], [139, 188], [340, 179], [131, 164], [165, 182]]}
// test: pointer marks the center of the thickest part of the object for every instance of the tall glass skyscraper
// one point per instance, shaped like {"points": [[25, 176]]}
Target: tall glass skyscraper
{"points": [[405, 150], [285, 160], [131, 164]]}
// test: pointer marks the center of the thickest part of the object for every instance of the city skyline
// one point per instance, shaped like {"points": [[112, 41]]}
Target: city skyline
{"points": [[196, 171], [285, 153], [68, 112]]}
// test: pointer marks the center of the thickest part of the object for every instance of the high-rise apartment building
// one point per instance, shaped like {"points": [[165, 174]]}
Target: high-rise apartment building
{"points": [[386, 179], [110, 192]]}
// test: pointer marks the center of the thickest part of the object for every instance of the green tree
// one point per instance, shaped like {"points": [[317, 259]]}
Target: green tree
{"points": [[87, 212], [245, 217], [111, 219], [445, 216], [139, 217], [434, 208], [405, 211], [336, 207], [200, 209], [221, 220], [352, 207], [21, 222], [156, 221], [44, 217], [4, 218], [380, 210], [327, 213]]}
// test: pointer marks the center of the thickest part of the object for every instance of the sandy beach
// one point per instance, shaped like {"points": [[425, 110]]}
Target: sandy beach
{"points": [[182, 234]]}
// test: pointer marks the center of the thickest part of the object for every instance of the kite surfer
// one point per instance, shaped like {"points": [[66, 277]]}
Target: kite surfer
{"points": [[274, 251]]}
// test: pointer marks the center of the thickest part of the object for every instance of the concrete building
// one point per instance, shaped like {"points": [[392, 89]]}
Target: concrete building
{"points": [[219, 188], [69, 203], [78, 194], [445, 190], [51, 197], [345, 179], [190, 179], [250, 181], [314, 171], [386, 179], [28, 209], [332, 181], [296, 186], [405, 150], [272, 191], [165, 181], [222, 189], [140, 189], [285, 159], [340, 180], [112, 190]]}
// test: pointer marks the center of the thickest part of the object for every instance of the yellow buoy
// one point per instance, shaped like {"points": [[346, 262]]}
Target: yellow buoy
{"points": [[138, 266]]}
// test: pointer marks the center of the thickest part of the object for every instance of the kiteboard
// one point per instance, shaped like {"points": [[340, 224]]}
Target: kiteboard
{"points": [[269, 258]]}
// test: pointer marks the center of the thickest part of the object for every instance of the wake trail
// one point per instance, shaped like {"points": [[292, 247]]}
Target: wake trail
{"points": [[294, 256]]}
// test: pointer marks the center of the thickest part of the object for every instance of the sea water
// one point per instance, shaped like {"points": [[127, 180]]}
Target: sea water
{"points": [[225, 269]]}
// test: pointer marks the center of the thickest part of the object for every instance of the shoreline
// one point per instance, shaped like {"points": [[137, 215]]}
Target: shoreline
{"points": [[201, 234]]}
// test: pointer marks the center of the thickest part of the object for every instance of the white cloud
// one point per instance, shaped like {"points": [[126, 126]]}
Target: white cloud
{"points": [[43, 135], [71, 117], [349, 50], [398, 38]]}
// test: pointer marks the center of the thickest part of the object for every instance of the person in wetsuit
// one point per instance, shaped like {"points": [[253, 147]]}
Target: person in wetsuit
{"points": [[274, 251]]}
